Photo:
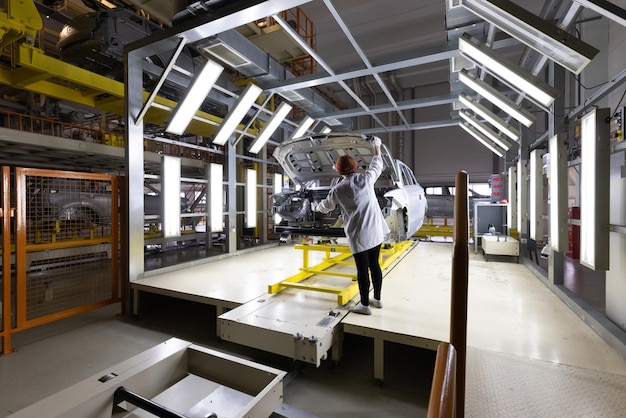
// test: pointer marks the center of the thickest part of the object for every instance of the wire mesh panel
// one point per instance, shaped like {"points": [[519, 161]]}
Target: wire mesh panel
{"points": [[66, 251]]}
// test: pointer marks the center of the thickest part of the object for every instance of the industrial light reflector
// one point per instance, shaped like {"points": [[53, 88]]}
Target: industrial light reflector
{"points": [[506, 71], [302, 128], [250, 198], [270, 127], [200, 86], [485, 130], [170, 193], [489, 116], [540, 35], [482, 139], [217, 197], [239, 110], [558, 192], [594, 177], [494, 96]]}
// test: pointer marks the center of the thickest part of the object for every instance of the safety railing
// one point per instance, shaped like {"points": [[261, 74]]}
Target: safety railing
{"points": [[59, 246], [447, 396]]}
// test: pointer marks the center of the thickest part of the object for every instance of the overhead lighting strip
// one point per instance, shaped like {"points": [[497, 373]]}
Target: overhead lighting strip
{"points": [[485, 130], [302, 128], [490, 117], [198, 90], [494, 96], [516, 77], [538, 34], [270, 127], [235, 116], [482, 139]]}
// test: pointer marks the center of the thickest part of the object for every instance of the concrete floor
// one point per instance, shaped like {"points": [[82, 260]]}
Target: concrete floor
{"points": [[529, 355]]}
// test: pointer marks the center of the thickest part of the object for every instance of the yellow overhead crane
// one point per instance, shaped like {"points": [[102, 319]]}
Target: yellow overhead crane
{"points": [[38, 73]]}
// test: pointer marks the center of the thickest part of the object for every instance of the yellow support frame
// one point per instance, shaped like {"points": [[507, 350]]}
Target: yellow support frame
{"points": [[389, 254]]}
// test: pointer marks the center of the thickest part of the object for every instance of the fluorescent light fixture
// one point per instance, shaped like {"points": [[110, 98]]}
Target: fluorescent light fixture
{"points": [[558, 192], [511, 214], [489, 116], [535, 195], [494, 96], [216, 194], [326, 130], [515, 76], [270, 127], [594, 190], [198, 89], [540, 35], [606, 9], [278, 188], [522, 193], [239, 110], [250, 198], [485, 130], [302, 128], [482, 139], [170, 193]]}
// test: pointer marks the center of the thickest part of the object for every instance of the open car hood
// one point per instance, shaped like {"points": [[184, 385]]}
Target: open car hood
{"points": [[312, 158]]}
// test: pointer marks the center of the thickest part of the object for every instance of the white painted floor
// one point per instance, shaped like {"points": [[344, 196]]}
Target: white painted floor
{"points": [[528, 355]]}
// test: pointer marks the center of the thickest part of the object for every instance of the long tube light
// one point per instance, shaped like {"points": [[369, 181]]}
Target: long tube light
{"points": [[558, 192], [234, 117], [217, 197], [506, 71], [302, 128], [540, 35], [511, 214], [250, 198], [482, 139], [270, 127], [494, 96], [278, 188], [594, 189], [491, 117], [170, 193], [535, 195], [199, 88], [485, 130]]}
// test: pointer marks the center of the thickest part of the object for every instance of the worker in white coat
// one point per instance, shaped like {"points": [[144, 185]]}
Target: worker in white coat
{"points": [[363, 222]]}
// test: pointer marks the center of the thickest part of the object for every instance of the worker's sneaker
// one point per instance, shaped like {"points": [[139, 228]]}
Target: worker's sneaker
{"points": [[360, 309], [376, 303]]}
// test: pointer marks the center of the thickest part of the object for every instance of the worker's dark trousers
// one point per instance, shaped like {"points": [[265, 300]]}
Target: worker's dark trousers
{"points": [[366, 262]]}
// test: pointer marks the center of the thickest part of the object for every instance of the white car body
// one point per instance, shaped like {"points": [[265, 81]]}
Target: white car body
{"points": [[309, 163]]}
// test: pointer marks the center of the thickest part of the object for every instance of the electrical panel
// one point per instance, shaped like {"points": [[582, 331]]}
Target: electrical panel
{"points": [[617, 124]]}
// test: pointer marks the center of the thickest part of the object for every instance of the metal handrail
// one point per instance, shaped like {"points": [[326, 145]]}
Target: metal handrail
{"points": [[447, 396]]}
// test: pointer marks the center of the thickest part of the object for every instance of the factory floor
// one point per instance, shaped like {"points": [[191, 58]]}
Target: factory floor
{"points": [[528, 355]]}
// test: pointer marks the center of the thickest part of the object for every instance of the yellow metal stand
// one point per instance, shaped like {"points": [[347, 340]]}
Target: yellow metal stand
{"points": [[388, 255]]}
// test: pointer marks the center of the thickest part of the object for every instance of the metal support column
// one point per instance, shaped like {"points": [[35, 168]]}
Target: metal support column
{"points": [[556, 125], [231, 195]]}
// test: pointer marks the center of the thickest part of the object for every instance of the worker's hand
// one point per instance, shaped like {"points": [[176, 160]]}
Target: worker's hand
{"points": [[375, 141], [314, 206]]}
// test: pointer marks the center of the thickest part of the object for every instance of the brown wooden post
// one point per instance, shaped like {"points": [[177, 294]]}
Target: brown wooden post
{"points": [[458, 306]]}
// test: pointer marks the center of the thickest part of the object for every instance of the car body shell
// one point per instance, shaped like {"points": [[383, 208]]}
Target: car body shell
{"points": [[441, 201], [309, 163]]}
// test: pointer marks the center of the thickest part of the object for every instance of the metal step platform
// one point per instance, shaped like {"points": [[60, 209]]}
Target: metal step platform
{"points": [[299, 317]]}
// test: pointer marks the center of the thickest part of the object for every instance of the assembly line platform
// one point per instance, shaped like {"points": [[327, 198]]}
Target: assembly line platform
{"points": [[302, 323]]}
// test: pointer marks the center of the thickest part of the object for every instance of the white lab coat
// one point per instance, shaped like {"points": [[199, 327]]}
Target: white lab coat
{"points": [[363, 221]]}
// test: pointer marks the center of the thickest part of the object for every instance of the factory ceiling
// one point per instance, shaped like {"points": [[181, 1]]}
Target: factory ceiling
{"points": [[366, 66]]}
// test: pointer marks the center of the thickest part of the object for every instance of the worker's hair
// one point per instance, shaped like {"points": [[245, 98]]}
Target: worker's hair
{"points": [[346, 165]]}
